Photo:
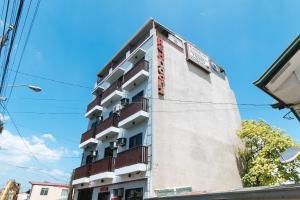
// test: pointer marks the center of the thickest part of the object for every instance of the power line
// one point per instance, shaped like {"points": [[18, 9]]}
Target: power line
{"points": [[16, 24], [50, 79], [57, 136], [19, 133], [36, 170], [19, 42], [25, 44]]}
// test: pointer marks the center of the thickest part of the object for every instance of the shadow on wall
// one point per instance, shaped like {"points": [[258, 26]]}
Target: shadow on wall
{"points": [[241, 165], [199, 72]]}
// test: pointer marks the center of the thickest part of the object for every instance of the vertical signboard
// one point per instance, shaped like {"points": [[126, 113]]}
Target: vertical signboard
{"points": [[160, 66]]}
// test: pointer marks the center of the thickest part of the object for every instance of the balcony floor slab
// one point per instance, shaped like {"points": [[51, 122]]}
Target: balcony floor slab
{"points": [[104, 175], [111, 131], [135, 80], [140, 167], [136, 118], [81, 181], [114, 96], [94, 110], [89, 141]]}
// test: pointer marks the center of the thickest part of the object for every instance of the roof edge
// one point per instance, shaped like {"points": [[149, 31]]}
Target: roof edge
{"points": [[279, 63]]}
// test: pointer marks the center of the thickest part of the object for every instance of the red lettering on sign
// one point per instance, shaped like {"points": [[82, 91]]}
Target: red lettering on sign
{"points": [[161, 66]]}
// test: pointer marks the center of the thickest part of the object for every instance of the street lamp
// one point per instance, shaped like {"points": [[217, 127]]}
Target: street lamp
{"points": [[32, 87]]}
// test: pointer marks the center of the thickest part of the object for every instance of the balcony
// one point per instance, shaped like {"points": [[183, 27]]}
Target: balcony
{"points": [[102, 169], [108, 128], [132, 160], [112, 94], [81, 174], [94, 108], [136, 75], [134, 113], [88, 138], [98, 89]]}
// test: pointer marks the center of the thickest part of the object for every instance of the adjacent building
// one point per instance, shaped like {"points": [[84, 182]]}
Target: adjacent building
{"points": [[282, 79], [162, 121], [48, 191]]}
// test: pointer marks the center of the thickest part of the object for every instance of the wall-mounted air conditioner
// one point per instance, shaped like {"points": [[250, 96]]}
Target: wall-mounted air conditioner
{"points": [[121, 142], [117, 108], [113, 145], [124, 101]]}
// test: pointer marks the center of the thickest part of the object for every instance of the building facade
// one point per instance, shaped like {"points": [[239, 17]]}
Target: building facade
{"points": [[48, 191], [162, 121]]}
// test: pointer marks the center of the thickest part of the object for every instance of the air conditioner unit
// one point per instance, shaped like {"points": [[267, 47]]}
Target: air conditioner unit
{"points": [[117, 108], [113, 145], [95, 153], [121, 142], [118, 192], [124, 101]]}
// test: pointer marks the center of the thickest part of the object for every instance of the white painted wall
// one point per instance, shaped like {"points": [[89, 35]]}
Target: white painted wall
{"points": [[194, 144], [54, 193]]}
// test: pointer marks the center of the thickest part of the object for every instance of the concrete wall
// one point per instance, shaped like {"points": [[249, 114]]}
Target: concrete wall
{"points": [[194, 144], [54, 193]]}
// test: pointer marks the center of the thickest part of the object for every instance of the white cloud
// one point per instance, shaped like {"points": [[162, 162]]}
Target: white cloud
{"points": [[57, 173], [4, 118], [1, 23], [18, 151], [48, 136]]}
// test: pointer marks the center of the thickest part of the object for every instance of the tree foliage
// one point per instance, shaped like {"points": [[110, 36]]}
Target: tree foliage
{"points": [[261, 155]]}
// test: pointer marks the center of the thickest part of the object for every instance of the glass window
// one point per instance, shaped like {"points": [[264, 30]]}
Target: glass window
{"points": [[64, 192], [44, 191], [138, 96], [134, 194], [135, 140]]}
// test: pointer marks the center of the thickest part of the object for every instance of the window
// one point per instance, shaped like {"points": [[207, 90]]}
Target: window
{"points": [[89, 159], [134, 194], [108, 152], [44, 191], [64, 193], [135, 141], [138, 96]]}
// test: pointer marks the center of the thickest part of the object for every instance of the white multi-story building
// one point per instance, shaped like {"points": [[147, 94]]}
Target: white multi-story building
{"points": [[162, 121]]}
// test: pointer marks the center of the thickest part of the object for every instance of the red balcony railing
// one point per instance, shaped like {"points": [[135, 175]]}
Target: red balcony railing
{"points": [[141, 65], [95, 102], [87, 135], [140, 104], [83, 171], [112, 121], [132, 156], [115, 86], [103, 165]]}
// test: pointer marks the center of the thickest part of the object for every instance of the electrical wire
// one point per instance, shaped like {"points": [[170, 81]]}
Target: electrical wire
{"points": [[4, 23], [37, 170], [23, 140], [18, 45], [25, 45], [2, 10], [16, 24], [51, 80]]}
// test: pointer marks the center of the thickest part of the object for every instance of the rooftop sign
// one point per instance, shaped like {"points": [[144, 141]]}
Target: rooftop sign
{"points": [[197, 57]]}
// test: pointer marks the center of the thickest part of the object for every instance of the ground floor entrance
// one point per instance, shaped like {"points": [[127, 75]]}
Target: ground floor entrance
{"points": [[134, 194], [104, 196], [85, 194]]}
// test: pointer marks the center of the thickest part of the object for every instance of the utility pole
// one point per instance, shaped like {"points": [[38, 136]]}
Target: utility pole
{"points": [[4, 39]]}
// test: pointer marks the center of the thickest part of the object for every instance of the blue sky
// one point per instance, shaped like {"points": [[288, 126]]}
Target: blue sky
{"points": [[72, 40]]}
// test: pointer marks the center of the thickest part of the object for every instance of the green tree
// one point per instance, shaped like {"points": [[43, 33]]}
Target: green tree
{"points": [[261, 155]]}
